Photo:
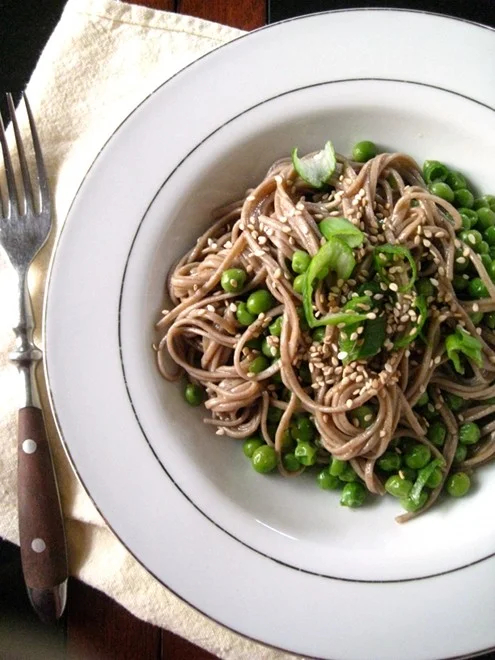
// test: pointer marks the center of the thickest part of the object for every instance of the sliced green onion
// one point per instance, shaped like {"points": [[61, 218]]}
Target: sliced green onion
{"points": [[423, 475], [335, 256], [381, 258], [461, 342], [317, 169], [343, 229], [410, 336]]}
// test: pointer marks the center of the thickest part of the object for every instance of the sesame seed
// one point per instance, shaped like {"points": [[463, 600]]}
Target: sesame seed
{"points": [[393, 287], [342, 355], [348, 403]]}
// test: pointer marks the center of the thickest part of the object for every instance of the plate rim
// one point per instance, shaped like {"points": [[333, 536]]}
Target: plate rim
{"points": [[82, 183]]}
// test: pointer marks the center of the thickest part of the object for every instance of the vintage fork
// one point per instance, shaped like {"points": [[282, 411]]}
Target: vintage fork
{"points": [[24, 228]]}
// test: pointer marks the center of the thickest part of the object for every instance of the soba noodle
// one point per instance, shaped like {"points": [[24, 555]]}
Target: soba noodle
{"points": [[389, 202]]}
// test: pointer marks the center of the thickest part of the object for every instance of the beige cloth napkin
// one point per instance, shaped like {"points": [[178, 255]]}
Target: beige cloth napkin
{"points": [[102, 59]]}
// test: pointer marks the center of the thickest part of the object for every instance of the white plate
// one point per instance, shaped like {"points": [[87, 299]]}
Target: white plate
{"points": [[274, 559]]}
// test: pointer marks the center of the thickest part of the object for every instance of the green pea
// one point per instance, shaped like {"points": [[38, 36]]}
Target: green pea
{"points": [[290, 463], [326, 481], [264, 459], [276, 327], [287, 443], [233, 280], [243, 315], [453, 401], [319, 334], [470, 214], [274, 415], [461, 262], [298, 283], [486, 217], [435, 478], [260, 301], [300, 261], [490, 235], [250, 445], [460, 454], [456, 181], [389, 461], [490, 320], [425, 288], [305, 452], [348, 474], [490, 200], [477, 289], [433, 170], [260, 363], [408, 504], [353, 495], [428, 413], [476, 318], [469, 433], [193, 394], [423, 399], [463, 198], [442, 190], [469, 217], [482, 248], [269, 349], [397, 486], [408, 473], [486, 260], [255, 343], [459, 283], [364, 151], [437, 433], [303, 429], [481, 203], [472, 238], [491, 271], [418, 456], [458, 484], [365, 415], [491, 251], [337, 467]]}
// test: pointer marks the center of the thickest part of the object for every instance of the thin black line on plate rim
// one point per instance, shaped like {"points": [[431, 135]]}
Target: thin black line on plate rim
{"points": [[96, 159], [129, 256]]}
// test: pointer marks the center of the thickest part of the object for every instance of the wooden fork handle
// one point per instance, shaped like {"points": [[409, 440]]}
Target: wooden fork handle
{"points": [[41, 530]]}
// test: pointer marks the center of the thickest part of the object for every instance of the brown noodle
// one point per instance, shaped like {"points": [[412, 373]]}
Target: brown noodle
{"points": [[389, 201]]}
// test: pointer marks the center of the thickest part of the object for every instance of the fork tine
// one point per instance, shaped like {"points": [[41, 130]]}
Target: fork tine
{"points": [[26, 179], [41, 171], [9, 172]]}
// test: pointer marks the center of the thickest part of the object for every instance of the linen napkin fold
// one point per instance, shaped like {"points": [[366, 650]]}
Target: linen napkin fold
{"points": [[102, 59]]}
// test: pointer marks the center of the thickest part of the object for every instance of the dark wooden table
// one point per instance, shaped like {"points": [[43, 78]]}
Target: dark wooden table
{"points": [[95, 627]]}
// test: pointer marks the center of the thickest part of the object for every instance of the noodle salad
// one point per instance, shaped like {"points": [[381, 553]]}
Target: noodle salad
{"points": [[341, 318]]}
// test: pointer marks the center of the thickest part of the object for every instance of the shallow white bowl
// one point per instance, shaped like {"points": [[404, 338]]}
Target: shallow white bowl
{"points": [[251, 551]]}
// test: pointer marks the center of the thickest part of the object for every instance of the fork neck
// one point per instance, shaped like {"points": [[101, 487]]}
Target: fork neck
{"points": [[26, 354]]}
